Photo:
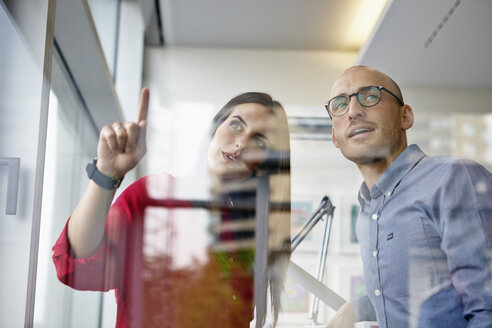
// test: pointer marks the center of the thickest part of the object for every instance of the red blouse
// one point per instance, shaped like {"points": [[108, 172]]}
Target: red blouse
{"points": [[150, 291]]}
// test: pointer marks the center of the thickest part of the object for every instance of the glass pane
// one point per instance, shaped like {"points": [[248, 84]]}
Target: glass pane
{"points": [[181, 251], [71, 143], [20, 103], [105, 14]]}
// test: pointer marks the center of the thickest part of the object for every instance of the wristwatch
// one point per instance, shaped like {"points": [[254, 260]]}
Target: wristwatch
{"points": [[99, 178]]}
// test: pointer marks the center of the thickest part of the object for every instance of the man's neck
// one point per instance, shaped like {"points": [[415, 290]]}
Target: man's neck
{"points": [[371, 171]]}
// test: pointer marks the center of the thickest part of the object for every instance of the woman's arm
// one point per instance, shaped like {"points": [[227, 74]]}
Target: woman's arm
{"points": [[120, 148]]}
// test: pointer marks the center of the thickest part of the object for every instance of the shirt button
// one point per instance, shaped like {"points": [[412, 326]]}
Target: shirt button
{"points": [[234, 297], [375, 216], [231, 259], [374, 253], [377, 292], [388, 193]]}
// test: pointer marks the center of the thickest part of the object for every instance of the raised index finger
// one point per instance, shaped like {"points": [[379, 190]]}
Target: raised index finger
{"points": [[143, 107]]}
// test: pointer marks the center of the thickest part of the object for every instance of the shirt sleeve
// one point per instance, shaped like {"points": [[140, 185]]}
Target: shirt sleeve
{"points": [[95, 273], [363, 309], [464, 218], [104, 269]]}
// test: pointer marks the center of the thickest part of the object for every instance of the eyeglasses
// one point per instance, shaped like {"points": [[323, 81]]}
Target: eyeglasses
{"points": [[367, 97]]}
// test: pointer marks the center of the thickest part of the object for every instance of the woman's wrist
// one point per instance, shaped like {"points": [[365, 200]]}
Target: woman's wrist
{"points": [[101, 179]]}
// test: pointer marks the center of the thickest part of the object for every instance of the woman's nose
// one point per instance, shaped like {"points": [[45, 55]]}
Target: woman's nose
{"points": [[240, 144]]}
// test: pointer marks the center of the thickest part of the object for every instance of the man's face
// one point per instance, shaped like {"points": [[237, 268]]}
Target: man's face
{"points": [[369, 134]]}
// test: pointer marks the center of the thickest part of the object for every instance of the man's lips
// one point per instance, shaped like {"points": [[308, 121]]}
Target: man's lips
{"points": [[359, 130]]}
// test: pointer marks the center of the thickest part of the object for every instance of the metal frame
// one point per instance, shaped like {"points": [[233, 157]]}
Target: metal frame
{"points": [[332, 299]]}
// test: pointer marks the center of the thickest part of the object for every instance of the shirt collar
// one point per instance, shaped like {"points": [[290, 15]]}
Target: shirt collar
{"points": [[392, 176]]}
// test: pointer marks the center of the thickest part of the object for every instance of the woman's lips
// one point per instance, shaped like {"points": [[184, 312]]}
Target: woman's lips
{"points": [[230, 157]]}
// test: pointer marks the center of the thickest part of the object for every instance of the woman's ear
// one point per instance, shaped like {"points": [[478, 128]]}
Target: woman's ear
{"points": [[407, 117]]}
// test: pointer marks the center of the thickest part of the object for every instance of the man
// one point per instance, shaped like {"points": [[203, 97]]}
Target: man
{"points": [[425, 225]]}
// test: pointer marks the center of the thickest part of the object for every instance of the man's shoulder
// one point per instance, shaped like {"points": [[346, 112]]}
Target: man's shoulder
{"points": [[434, 170], [453, 166], [450, 161]]}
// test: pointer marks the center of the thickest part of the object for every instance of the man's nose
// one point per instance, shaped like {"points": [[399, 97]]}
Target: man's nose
{"points": [[355, 108]]}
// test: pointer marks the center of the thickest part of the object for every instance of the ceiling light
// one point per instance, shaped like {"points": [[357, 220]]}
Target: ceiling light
{"points": [[363, 22]]}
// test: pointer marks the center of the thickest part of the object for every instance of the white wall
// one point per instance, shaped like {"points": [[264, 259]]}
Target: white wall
{"points": [[215, 75], [186, 77]]}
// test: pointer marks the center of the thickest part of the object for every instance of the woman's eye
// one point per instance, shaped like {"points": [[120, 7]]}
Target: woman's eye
{"points": [[260, 143], [236, 126]]}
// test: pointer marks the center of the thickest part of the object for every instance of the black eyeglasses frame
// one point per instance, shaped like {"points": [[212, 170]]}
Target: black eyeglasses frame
{"points": [[379, 87]]}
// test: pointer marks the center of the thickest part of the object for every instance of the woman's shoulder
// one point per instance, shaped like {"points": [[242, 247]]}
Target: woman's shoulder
{"points": [[147, 187], [157, 186], [167, 186]]}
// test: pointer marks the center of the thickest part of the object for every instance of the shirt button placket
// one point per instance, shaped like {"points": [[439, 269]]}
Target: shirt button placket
{"points": [[377, 288]]}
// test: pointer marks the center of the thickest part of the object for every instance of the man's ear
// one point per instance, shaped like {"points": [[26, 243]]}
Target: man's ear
{"points": [[407, 117], [334, 138]]}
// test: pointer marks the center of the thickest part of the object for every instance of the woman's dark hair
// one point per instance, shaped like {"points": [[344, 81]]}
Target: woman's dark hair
{"points": [[244, 98]]}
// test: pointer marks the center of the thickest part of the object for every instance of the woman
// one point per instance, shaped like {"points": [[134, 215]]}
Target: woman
{"points": [[101, 247]]}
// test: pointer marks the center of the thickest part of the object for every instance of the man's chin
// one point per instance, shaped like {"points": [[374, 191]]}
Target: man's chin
{"points": [[368, 160], [365, 156]]}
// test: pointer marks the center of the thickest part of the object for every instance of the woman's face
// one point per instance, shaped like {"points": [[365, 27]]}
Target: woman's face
{"points": [[240, 144]]}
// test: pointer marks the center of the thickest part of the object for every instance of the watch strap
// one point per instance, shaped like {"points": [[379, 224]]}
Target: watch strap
{"points": [[99, 178]]}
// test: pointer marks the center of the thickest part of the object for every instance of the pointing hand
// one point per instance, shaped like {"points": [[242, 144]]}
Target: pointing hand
{"points": [[122, 146]]}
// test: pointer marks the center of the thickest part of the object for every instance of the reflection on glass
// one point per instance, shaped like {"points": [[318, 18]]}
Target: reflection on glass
{"points": [[459, 134], [180, 251]]}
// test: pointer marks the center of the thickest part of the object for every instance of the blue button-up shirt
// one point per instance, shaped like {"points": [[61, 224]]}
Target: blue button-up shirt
{"points": [[425, 233]]}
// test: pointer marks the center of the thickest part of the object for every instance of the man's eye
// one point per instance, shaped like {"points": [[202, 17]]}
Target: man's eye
{"points": [[370, 99], [236, 126], [340, 105]]}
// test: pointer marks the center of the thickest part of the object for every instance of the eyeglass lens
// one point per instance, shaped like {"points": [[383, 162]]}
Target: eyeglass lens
{"points": [[368, 96]]}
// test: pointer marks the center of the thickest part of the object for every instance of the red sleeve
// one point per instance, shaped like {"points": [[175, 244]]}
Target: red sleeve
{"points": [[84, 273], [105, 268]]}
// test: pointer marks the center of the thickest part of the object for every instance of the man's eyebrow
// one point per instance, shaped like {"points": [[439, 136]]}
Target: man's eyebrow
{"points": [[358, 89]]}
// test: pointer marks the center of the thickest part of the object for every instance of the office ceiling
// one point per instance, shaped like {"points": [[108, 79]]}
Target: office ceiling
{"points": [[444, 43], [272, 24]]}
